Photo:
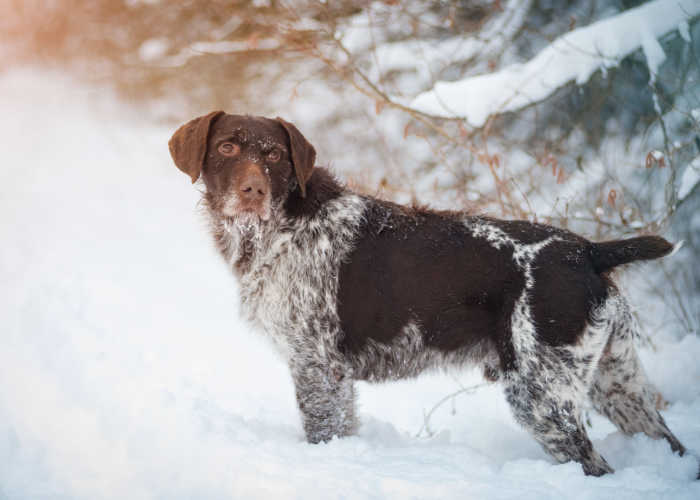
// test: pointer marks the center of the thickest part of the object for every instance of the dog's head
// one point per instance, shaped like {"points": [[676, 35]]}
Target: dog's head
{"points": [[249, 164]]}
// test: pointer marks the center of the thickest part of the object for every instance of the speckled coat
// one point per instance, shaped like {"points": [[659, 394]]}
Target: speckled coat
{"points": [[350, 287]]}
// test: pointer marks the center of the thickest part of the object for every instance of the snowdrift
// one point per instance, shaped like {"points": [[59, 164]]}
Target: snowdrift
{"points": [[126, 373]]}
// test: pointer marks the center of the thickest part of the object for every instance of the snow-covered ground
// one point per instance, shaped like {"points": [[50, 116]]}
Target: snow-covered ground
{"points": [[125, 373]]}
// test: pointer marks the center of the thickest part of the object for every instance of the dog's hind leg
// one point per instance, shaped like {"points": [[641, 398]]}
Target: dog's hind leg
{"points": [[620, 389], [551, 411], [547, 389]]}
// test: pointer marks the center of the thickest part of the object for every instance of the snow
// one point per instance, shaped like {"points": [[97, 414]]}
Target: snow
{"points": [[684, 30], [653, 52], [134, 3], [690, 178], [224, 47], [153, 48], [428, 58], [207, 47], [126, 373], [574, 56]]}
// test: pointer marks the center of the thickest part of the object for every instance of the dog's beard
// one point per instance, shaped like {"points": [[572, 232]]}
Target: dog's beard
{"points": [[245, 226], [244, 231], [249, 228], [246, 213]]}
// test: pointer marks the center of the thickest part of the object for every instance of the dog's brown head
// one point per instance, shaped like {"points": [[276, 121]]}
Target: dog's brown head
{"points": [[249, 164]]}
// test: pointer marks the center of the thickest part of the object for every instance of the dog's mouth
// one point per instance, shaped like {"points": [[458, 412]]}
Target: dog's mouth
{"points": [[247, 224], [246, 214], [246, 219], [236, 209]]}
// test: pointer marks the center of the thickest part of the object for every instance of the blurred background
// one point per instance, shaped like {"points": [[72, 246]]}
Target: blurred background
{"points": [[604, 155], [124, 369]]}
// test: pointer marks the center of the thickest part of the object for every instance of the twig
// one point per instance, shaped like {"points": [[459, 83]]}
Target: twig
{"points": [[427, 416]]}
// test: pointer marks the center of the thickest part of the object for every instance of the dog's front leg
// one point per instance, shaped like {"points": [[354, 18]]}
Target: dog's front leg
{"points": [[326, 398]]}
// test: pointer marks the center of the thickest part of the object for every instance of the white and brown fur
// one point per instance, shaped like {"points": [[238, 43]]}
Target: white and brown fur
{"points": [[350, 287]]}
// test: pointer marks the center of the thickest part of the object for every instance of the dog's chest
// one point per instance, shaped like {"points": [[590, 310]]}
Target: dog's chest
{"points": [[290, 289], [277, 291]]}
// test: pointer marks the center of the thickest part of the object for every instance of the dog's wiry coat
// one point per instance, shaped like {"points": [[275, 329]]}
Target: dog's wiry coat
{"points": [[350, 287], [289, 284]]}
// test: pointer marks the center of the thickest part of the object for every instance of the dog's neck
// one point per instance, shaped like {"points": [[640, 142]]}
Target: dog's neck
{"points": [[320, 189], [241, 240]]}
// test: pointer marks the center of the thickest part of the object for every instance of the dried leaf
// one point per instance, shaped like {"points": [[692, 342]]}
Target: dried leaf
{"points": [[252, 41], [379, 106], [612, 195], [551, 160], [661, 403], [463, 130], [560, 176]]}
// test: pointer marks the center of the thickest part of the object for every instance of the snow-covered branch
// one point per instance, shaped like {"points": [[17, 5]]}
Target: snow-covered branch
{"points": [[690, 179], [429, 56], [219, 47], [573, 56]]}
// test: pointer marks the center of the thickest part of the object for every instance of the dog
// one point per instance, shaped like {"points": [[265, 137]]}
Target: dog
{"points": [[350, 287]]}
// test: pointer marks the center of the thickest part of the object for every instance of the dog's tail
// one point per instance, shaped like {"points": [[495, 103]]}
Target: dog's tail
{"points": [[608, 254]]}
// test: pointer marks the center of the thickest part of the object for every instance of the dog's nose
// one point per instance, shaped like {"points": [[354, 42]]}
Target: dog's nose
{"points": [[253, 187], [253, 184]]}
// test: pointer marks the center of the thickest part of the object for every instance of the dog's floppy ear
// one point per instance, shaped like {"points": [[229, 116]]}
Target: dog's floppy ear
{"points": [[303, 154], [188, 145]]}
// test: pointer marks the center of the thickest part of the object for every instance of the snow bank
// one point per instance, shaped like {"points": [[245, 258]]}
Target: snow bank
{"points": [[573, 56], [125, 373]]}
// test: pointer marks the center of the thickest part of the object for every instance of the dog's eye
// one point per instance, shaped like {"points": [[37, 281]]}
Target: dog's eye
{"points": [[274, 155], [229, 149]]}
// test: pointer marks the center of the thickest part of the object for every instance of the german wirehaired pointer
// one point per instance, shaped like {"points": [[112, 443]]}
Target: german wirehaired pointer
{"points": [[350, 287]]}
